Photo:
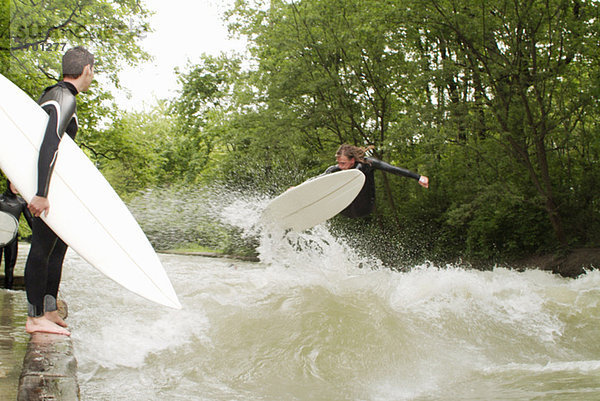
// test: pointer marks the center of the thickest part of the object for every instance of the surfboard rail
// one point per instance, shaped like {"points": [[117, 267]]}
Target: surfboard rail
{"points": [[315, 200]]}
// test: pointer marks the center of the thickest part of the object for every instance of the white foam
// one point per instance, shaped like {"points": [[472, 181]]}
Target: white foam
{"points": [[308, 318]]}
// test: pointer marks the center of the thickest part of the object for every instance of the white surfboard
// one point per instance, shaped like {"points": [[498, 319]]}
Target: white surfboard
{"points": [[85, 211], [314, 201], [9, 226]]}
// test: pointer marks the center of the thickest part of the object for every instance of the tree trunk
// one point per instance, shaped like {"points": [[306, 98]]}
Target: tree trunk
{"points": [[390, 198], [548, 193]]}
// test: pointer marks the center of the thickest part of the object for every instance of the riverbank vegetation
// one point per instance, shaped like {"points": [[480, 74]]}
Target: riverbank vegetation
{"points": [[497, 102]]}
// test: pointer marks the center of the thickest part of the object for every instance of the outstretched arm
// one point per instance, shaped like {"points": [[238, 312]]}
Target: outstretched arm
{"points": [[381, 165]]}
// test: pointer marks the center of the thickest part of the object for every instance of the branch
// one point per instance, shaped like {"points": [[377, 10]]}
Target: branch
{"points": [[96, 153], [49, 32]]}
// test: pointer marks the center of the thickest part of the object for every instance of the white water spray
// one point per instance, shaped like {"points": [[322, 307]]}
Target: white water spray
{"points": [[317, 320]]}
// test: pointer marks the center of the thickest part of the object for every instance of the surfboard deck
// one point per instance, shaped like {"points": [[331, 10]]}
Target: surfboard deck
{"points": [[9, 226], [85, 211], [314, 201]]}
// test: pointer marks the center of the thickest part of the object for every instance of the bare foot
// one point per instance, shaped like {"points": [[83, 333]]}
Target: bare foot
{"points": [[43, 325], [55, 318]]}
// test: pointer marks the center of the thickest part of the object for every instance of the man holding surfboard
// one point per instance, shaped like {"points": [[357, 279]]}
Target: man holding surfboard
{"points": [[353, 157], [44, 263]]}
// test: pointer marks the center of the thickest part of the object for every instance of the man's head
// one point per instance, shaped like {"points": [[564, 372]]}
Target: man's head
{"points": [[74, 61], [78, 67], [348, 155]]}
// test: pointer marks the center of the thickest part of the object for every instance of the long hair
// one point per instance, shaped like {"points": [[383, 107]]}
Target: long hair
{"points": [[351, 151]]}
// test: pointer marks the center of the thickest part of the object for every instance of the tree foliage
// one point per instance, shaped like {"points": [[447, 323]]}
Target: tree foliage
{"points": [[134, 152], [37, 33], [496, 101], [521, 76]]}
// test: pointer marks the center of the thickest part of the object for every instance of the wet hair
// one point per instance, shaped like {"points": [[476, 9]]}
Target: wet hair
{"points": [[355, 152], [74, 60]]}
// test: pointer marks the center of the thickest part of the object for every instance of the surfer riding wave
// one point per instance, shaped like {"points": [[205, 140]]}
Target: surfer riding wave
{"points": [[349, 157]]}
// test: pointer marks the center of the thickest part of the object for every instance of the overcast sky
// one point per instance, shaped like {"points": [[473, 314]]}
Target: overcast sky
{"points": [[183, 30]]}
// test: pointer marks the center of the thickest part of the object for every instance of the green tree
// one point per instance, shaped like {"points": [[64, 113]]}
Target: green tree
{"points": [[35, 35], [40, 33], [133, 152], [494, 100], [4, 36], [332, 72], [205, 97], [520, 74]]}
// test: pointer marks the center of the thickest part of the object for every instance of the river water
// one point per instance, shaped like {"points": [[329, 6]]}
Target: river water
{"points": [[316, 321]]}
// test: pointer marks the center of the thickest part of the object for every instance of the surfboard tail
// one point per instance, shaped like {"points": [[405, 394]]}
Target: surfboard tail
{"points": [[169, 301]]}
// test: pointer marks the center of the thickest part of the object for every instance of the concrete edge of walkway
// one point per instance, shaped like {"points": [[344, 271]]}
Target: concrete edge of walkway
{"points": [[49, 367]]}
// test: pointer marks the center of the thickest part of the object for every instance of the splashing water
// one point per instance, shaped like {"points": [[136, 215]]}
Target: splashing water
{"points": [[314, 320]]}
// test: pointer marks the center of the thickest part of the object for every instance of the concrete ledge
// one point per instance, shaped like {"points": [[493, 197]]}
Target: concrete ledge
{"points": [[18, 282], [49, 369]]}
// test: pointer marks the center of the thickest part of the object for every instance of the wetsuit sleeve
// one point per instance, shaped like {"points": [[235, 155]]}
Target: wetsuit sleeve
{"points": [[381, 165], [332, 169], [60, 113], [27, 214]]}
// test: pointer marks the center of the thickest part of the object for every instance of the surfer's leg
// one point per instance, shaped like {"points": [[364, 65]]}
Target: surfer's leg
{"points": [[36, 267], [36, 278], [10, 259], [55, 264]]}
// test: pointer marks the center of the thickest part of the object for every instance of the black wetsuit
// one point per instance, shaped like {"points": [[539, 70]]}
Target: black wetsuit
{"points": [[364, 202], [14, 205], [44, 263]]}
